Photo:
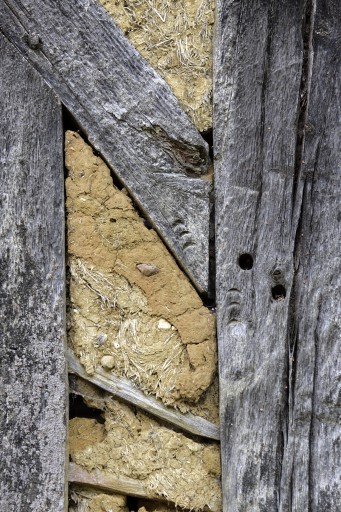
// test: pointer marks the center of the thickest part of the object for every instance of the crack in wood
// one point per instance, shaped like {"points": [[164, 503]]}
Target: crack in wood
{"points": [[312, 416], [307, 64], [299, 199], [191, 158]]}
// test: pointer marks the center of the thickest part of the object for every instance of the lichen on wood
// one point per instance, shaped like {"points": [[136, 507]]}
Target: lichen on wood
{"points": [[176, 39], [154, 327], [170, 465]]}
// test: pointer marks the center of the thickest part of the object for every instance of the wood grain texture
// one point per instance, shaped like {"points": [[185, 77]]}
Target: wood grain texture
{"points": [[277, 163], [125, 390], [128, 113], [33, 398], [106, 482], [311, 475]]}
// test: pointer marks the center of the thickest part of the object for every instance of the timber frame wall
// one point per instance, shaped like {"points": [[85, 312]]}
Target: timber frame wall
{"points": [[277, 188]]}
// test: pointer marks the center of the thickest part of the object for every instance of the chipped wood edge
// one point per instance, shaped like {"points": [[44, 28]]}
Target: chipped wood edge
{"points": [[124, 389]]}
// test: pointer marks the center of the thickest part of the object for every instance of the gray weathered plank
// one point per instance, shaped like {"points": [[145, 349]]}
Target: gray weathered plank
{"points": [[33, 394], [128, 113], [311, 475], [125, 390], [278, 321], [258, 65]]}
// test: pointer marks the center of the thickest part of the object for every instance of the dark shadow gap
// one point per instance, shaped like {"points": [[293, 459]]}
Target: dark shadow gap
{"points": [[79, 409], [70, 123], [133, 503], [307, 33], [208, 137], [209, 299]]}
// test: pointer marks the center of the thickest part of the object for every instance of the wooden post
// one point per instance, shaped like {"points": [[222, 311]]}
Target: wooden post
{"points": [[277, 140], [32, 292], [311, 474]]}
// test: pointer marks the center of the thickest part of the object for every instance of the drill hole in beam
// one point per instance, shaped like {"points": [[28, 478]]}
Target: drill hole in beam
{"points": [[278, 292], [245, 261]]}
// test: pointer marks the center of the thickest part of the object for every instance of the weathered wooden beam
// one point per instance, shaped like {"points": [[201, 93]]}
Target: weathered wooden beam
{"points": [[311, 473], [128, 113], [33, 397], [277, 135], [106, 482], [124, 389]]}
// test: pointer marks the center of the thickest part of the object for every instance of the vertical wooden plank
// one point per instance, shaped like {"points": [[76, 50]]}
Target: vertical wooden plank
{"points": [[258, 69], [277, 140], [32, 333], [311, 477]]}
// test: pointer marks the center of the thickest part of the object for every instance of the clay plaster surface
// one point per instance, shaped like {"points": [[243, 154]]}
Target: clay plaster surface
{"points": [[151, 324], [169, 464]]}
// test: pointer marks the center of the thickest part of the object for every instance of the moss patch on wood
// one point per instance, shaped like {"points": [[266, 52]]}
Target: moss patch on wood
{"points": [[169, 464], [149, 326], [175, 37]]}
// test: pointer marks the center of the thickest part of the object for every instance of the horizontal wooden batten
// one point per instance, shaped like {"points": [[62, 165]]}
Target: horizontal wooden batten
{"points": [[127, 112], [106, 482]]}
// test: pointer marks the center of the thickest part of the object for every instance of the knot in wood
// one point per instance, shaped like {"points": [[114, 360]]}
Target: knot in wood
{"points": [[33, 41], [277, 275]]}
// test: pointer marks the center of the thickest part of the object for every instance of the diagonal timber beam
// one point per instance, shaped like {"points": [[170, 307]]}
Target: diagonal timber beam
{"points": [[127, 112]]}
